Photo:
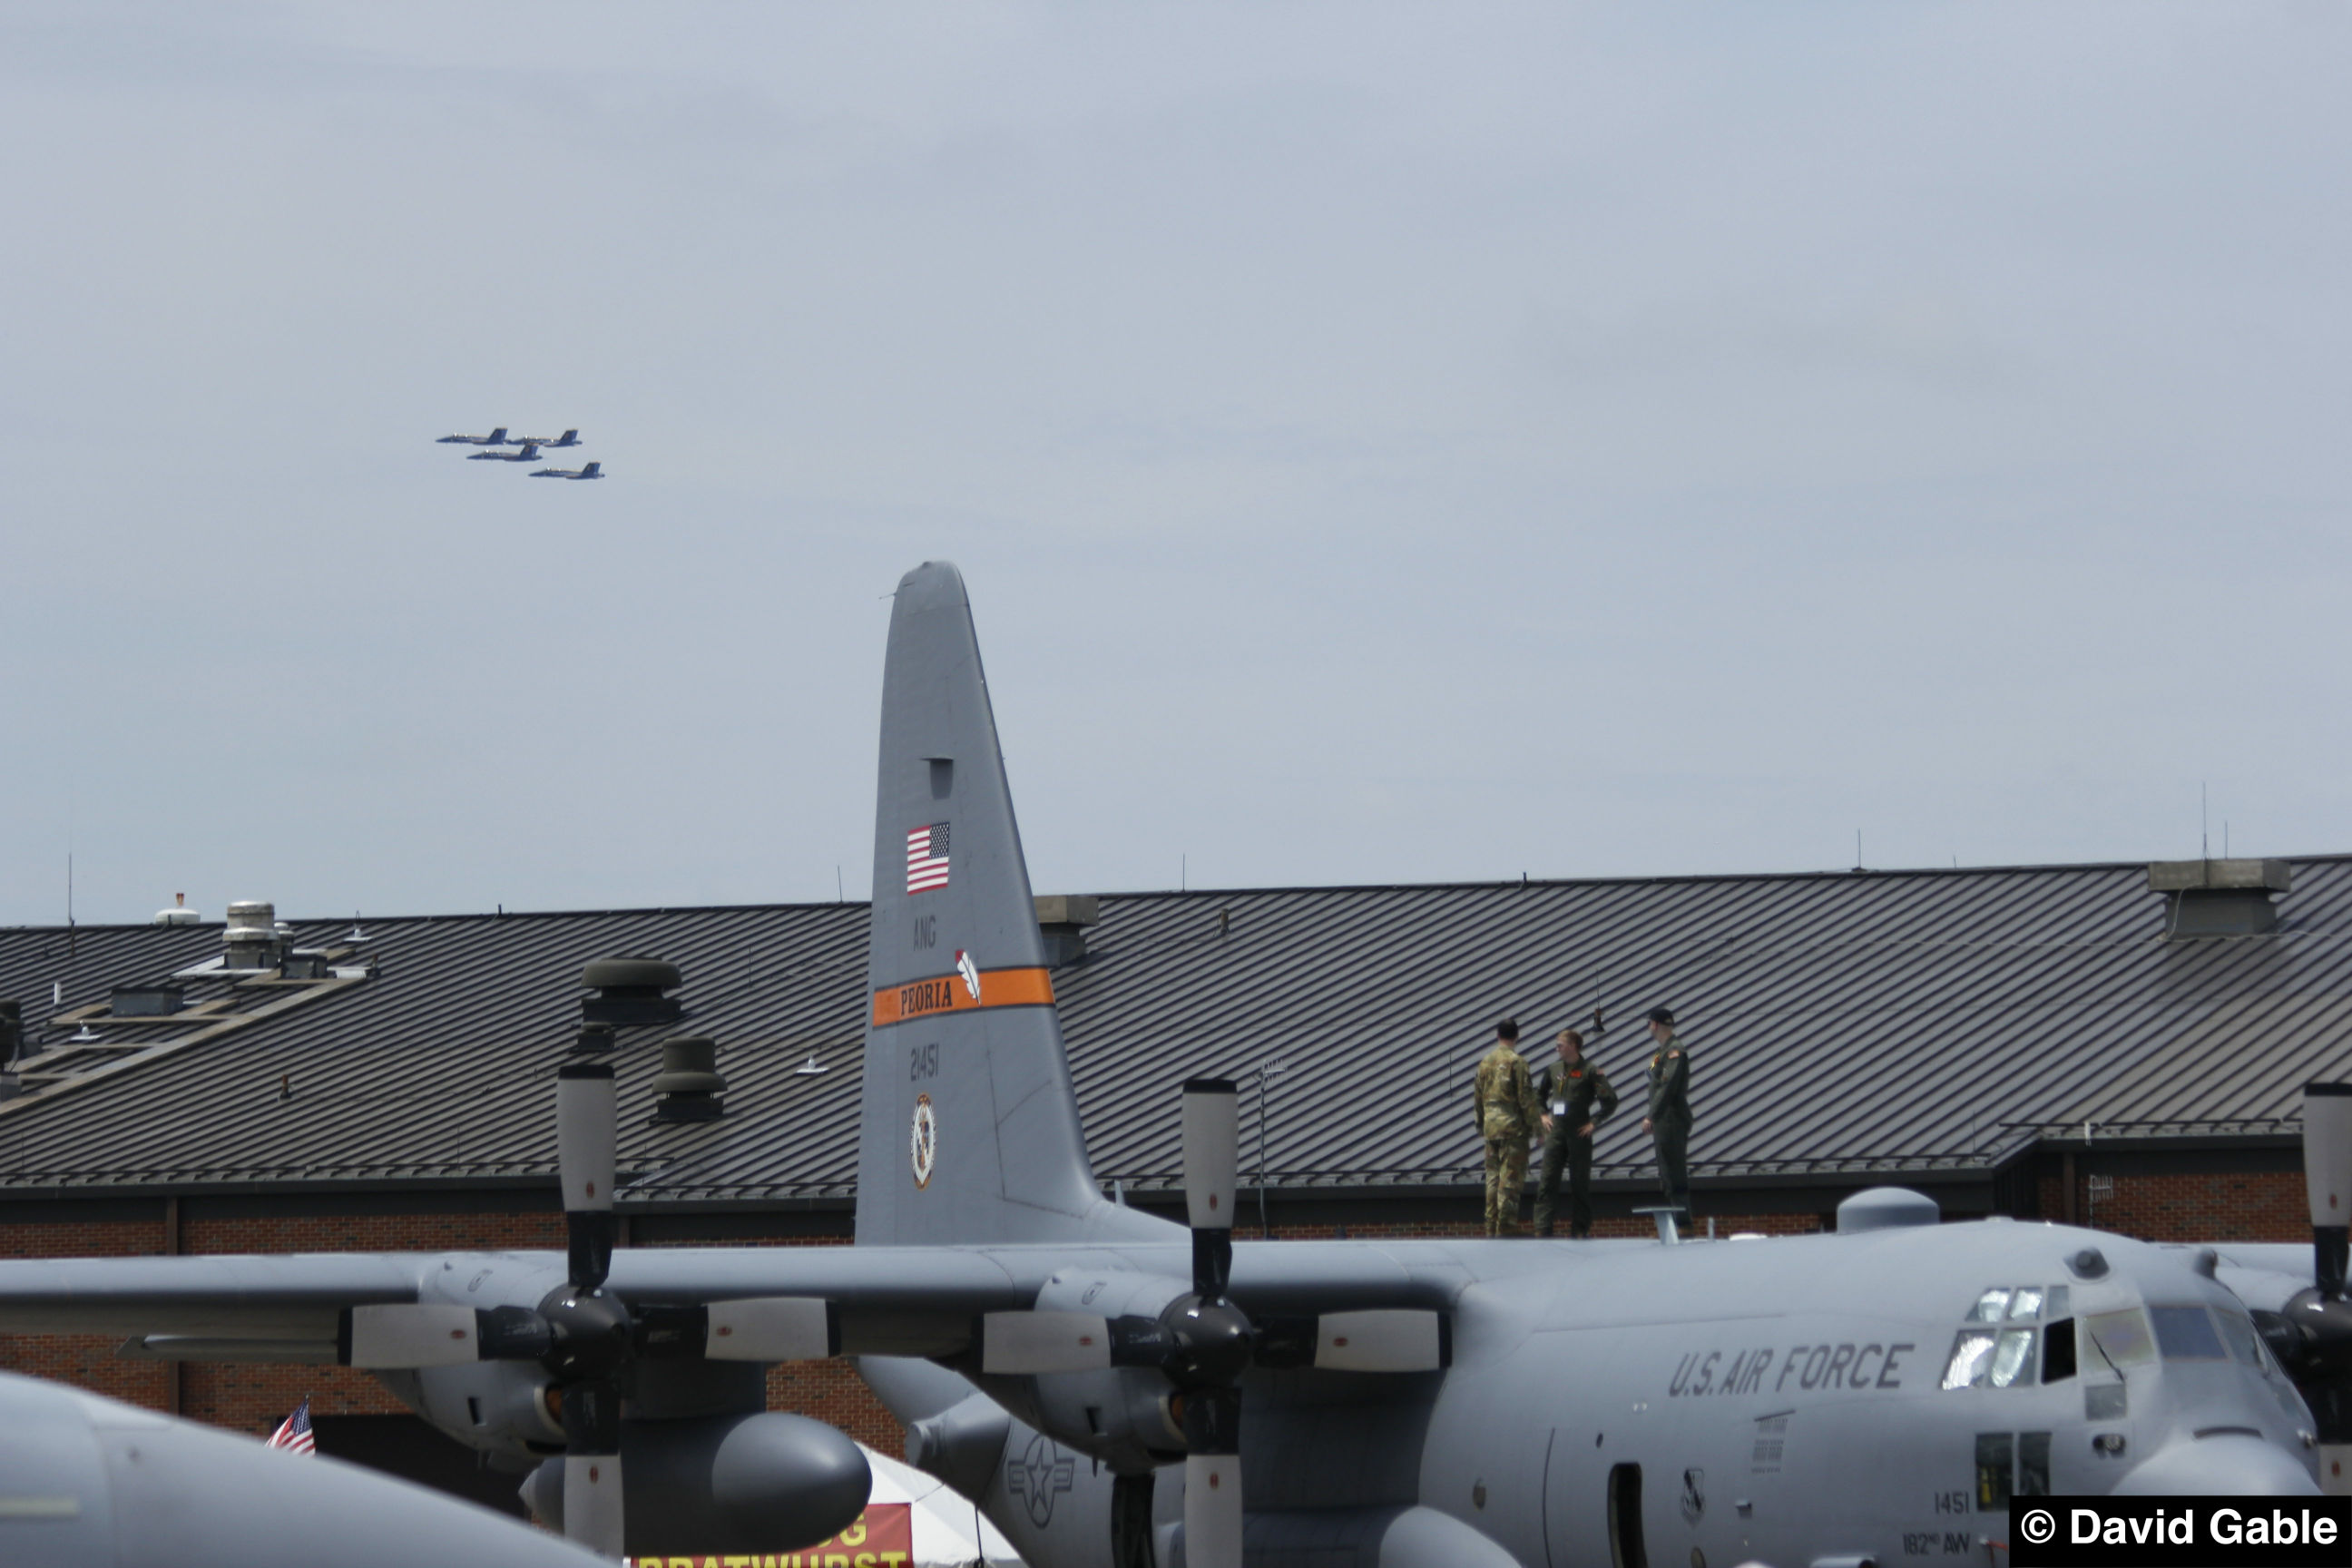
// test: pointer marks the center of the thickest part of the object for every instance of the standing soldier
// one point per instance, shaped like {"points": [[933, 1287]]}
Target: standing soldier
{"points": [[1508, 1115], [1577, 1099], [1669, 1120]]}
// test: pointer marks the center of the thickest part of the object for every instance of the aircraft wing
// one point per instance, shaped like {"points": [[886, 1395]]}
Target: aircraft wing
{"points": [[884, 1291], [290, 1298], [1270, 1277]]}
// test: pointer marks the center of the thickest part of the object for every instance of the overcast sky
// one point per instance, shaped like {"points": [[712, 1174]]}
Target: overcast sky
{"points": [[1414, 443]]}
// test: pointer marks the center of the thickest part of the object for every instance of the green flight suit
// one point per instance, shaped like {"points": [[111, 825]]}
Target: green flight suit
{"points": [[1504, 1097], [1670, 1119], [1574, 1095]]}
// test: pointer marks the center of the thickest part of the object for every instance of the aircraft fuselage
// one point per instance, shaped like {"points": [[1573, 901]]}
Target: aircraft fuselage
{"points": [[1778, 1400]]}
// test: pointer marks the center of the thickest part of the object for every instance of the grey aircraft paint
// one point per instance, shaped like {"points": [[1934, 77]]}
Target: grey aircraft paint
{"points": [[96, 1483], [1008, 1160], [1779, 1401]]}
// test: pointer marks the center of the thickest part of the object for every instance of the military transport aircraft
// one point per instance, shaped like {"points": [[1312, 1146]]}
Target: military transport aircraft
{"points": [[1113, 1386], [592, 471], [528, 453], [496, 437], [569, 438], [101, 1484]]}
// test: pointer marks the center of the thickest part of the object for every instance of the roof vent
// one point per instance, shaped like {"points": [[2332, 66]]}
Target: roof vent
{"points": [[179, 914], [2218, 898], [1885, 1208], [629, 992], [1062, 920], [145, 1001], [688, 1085], [251, 939]]}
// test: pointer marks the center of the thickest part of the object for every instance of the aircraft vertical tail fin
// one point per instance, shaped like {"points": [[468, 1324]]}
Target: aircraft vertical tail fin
{"points": [[592, 471], [496, 437], [568, 438], [968, 1128]]}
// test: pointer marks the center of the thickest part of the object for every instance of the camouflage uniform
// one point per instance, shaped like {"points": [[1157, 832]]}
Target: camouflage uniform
{"points": [[1670, 1119], [1508, 1116], [1575, 1094]]}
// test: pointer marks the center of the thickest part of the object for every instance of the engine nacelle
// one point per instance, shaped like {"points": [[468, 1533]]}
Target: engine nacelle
{"points": [[725, 1484], [1121, 1416], [499, 1407], [502, 1407]]}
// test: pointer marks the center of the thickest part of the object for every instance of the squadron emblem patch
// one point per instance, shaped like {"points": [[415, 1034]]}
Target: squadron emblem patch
{"points": [[923, 1140]]}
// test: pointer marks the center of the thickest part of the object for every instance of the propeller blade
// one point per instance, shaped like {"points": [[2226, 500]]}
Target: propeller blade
{"points": [[773, 1327], [592, 1504], [1212, 1157], [1212, 1511], [2327, 1176], [1399, 1339], [407, 1336], [585, 1143], [1028, 1343], [592, 1466]]}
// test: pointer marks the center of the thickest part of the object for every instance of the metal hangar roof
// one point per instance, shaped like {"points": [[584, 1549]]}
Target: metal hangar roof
{"points": [[1844, 1027]]}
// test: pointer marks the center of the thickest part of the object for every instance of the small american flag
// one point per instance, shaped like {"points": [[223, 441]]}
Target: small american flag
{"points": [[926, 857], [293, 1434]]}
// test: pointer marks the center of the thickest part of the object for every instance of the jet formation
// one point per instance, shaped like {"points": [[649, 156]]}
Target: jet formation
{"points": [[528, 449]]}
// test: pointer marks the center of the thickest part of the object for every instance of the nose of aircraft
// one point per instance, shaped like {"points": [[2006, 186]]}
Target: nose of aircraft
{"points": [[86, 1480], [2224, 1464]]}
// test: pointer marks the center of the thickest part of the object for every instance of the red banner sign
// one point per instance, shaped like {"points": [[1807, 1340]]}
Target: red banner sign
{"points": [[883, 1537]]}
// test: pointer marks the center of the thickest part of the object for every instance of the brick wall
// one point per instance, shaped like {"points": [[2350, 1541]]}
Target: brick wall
{"points": [[2268, 1205], [1602, 1225]]}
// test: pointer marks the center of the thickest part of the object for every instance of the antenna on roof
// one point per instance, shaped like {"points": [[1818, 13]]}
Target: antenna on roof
{"points": [[355, 936], [2204, 832], [810, 1067], [85, 1036]]}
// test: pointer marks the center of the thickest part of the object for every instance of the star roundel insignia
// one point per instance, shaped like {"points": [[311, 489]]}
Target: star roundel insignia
{"points": [[923, 1140]]}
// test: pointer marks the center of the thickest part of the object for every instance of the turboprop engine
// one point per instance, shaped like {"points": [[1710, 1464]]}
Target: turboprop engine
{"points": [[1126, 1415], [719, 1483]]}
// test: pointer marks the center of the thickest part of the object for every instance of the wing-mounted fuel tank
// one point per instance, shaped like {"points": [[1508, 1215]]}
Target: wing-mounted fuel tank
{"points": [[720, 1484]]}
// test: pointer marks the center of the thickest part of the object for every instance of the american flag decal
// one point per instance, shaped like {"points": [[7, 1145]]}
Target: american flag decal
{"points": [[926, 857]]}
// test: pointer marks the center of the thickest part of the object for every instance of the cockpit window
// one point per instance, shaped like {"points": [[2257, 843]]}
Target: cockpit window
{"points": [[1990, 1306], [1971, 1353], [2122, 1337], [2013, 1357], [2186, 1333], [1990, 1358], [2245, 1341], [2026, 1303]]}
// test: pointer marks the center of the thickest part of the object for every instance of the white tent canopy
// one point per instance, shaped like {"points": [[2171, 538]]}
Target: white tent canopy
{"points": [[943, 1521]]}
